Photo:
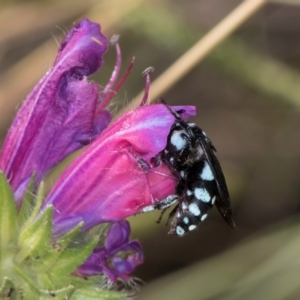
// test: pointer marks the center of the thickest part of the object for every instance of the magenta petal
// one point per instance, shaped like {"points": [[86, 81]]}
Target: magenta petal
{"points": [[82, 49], [162, 183], [144, 129], [58, 116], [185, 111], [101, 121], [108, 181], [100, 190]]}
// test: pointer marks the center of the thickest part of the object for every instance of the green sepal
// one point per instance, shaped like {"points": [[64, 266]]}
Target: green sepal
{"points": [[58, 247], [32, 291], [33, 266], [72, 258], [28, 202], [8, 214], [69, 237], [34, 237], [8, 290], [61, 294], [96, 293], [39, 199], [30, 286]]}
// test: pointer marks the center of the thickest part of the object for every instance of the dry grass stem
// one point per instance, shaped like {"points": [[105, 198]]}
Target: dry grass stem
{"points": [[200, 50], [288, 2], [28, 13], [239, 60]]}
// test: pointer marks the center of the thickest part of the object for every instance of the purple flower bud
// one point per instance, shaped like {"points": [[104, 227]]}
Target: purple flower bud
{"points": [[58, 116], [117, 258]]}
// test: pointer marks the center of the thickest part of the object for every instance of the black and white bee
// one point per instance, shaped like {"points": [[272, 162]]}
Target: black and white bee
{"points": [[190, 156]]}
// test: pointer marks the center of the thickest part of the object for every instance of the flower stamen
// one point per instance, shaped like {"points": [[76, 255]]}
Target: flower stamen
{"points": [[116, 88], [115, 74], [146, 73], [96, 40]]}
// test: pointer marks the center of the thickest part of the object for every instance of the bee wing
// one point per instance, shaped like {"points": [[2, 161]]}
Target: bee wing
{"points": [[223, 199]]}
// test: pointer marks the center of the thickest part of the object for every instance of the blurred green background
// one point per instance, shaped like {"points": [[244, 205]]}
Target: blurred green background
{"points": [[247, 93]]}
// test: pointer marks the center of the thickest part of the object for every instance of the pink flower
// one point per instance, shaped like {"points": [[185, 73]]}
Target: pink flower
{"points": [[114, 177]]}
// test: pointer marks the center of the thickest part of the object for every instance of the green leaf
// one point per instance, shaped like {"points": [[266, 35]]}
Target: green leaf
{"points": [[8, 213], [92, 292], [34, 238]]}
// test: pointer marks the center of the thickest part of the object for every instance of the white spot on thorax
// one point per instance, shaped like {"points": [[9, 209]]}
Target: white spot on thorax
{"points": [[194, 209], [207, 173], [189, 192], [177, 140], [202, 194]]}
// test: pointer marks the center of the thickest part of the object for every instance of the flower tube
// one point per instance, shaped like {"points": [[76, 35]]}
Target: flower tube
{"points": [[114, 177]]}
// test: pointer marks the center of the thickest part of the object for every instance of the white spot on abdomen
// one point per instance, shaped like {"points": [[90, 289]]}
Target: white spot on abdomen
{"points": [[194, 209], [202, 194], [192, 227], [213, 200], [180, 230], [207, 173], [203, 217]]}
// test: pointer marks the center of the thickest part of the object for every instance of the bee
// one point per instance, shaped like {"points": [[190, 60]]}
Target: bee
{"points": [[190, 155]]}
